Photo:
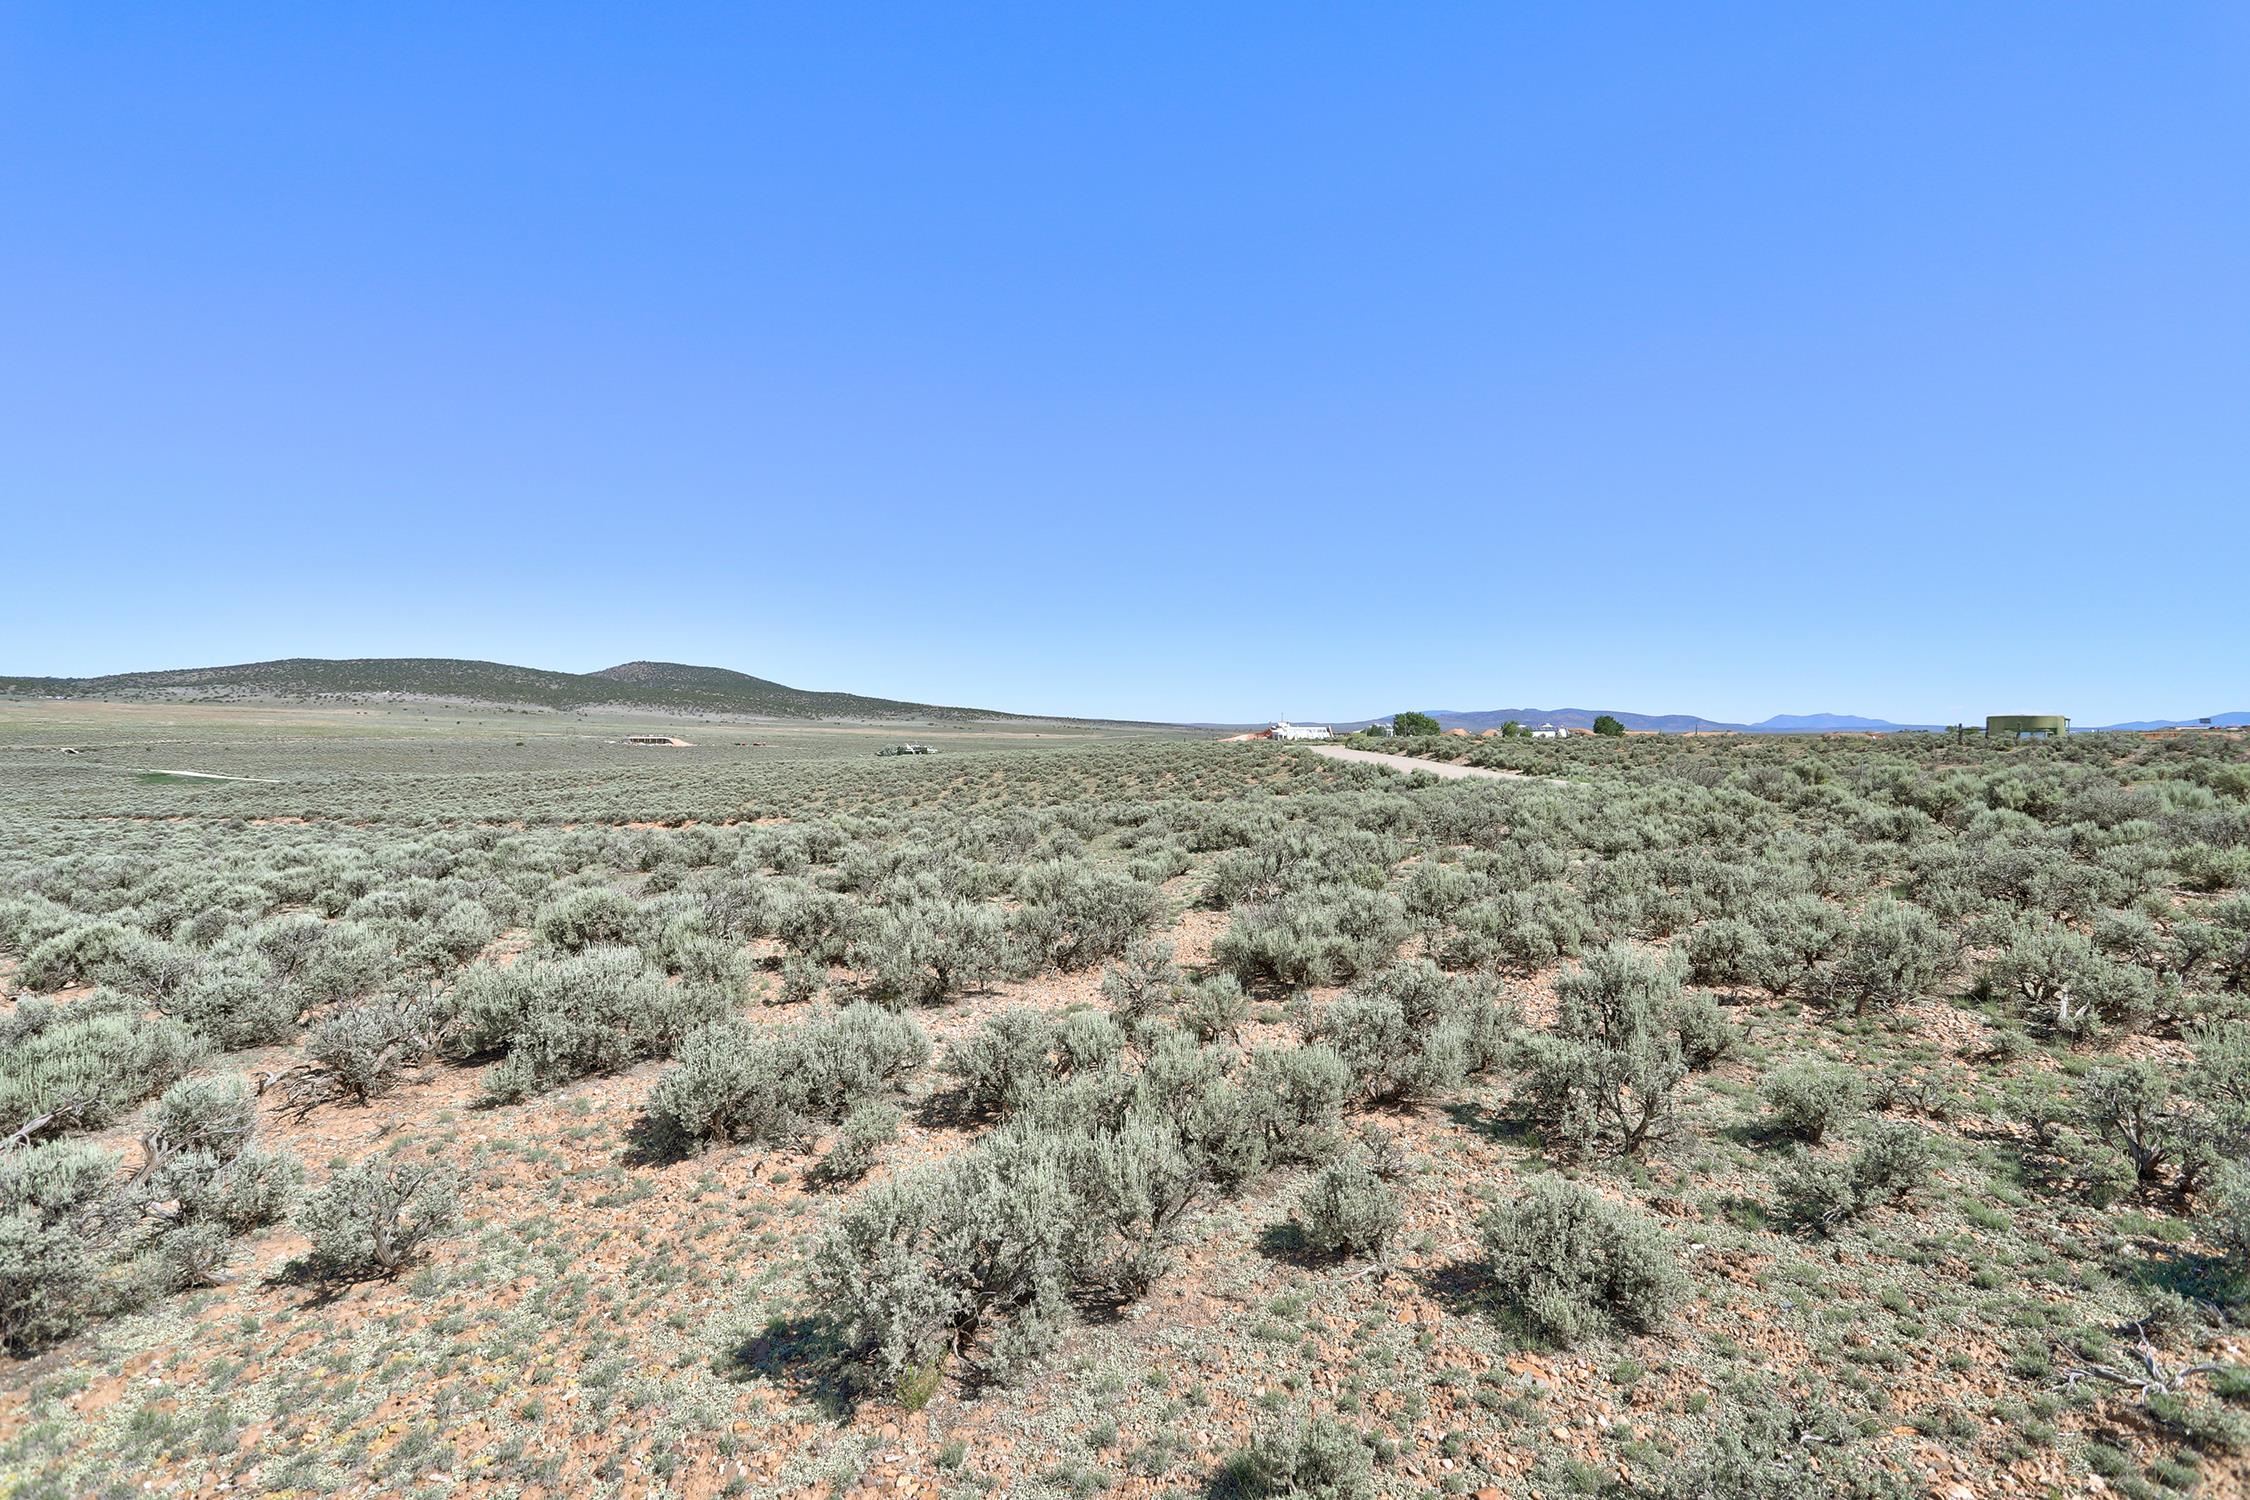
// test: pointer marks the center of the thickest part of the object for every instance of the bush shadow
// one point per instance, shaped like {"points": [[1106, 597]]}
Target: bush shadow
{"points": [[800, 1354]]}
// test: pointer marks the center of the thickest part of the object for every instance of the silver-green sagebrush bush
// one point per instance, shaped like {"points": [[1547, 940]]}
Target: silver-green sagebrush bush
{"points": [[865, 1131], [79, 1241], [922, 953], [1822, 1193], [1348, 1208], [1603, 1078], [57, 1214], [1576, 1264], [1413, 1032], [1301, 1458], [1023, 1053], [603, 1009], [1808, 1099], [771, 1085], [80, 1066], [372, 1218]]}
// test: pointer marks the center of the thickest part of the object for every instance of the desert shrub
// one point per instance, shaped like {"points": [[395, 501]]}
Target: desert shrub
{"points": [[1213, 1007], [147, 967], [1799, 937], [1299, 860], [237, 999], [2063, 982], [600, 1011], [1603, 1078], [1807, 1099], [1816, 1192], [801, 979], [922, 953], [206, 1181], [1705, 1033], [729, 1081], [345, 961], [230, 1194], [53, 1201], [1217, 1118], [1391, 1061], [216, 1115], [1074, 917], [287, 942], [702, 960], [48, 1278], [1728, 952], [1295, 1096], [2131, 1106], [1519, 932], [591, 917], [1348, 1209], [2218, 1080], [1301, 1459], [984, 1252], [1300, 940], [1413, 1032], [2203, 867], [462, 931], [81, 1065], [1433, 895], [1761, 1447], [1896, 952], [28, 921], [815, 925], [922, 1264], [1894, 1158], [373, 1217], [864, 1132], [1143, 984], [78, 955], [734, 906], [1020, 1054], [1823, 1193], [764, 1085], [363, 1046], [2225, 1216], [1575, 1264], [1135, 1181]]}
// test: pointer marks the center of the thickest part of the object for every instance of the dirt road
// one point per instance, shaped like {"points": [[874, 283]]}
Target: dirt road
{"points": [[1440, 768]]}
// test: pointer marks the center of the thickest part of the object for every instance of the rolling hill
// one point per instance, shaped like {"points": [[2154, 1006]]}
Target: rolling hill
{"points": [[635, 684]]}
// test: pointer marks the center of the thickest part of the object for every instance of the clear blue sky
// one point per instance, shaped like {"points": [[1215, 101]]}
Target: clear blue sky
{"points": [[1180, 361]]}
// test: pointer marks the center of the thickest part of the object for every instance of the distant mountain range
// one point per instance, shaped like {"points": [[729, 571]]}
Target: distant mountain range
{"points": [[634, 684], [678, 687], [2217, 721]]}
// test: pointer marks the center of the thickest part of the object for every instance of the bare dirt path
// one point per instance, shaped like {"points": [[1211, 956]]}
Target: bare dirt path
{"points": [[1441, 768], [202, 775]]}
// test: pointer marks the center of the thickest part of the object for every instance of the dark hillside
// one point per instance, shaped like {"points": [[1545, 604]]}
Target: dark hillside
{"points": [[654, 685]]}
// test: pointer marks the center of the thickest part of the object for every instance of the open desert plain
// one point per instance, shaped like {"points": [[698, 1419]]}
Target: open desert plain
{"points": [[1146, 1019], [426, 1104]]}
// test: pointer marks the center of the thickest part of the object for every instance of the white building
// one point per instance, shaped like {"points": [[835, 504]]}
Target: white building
{"points": [[1284, 730], [1548, 732]]}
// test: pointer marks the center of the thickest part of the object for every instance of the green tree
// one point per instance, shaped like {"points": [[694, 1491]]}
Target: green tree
{"points": [[1413, 723], [1607, 725]]}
